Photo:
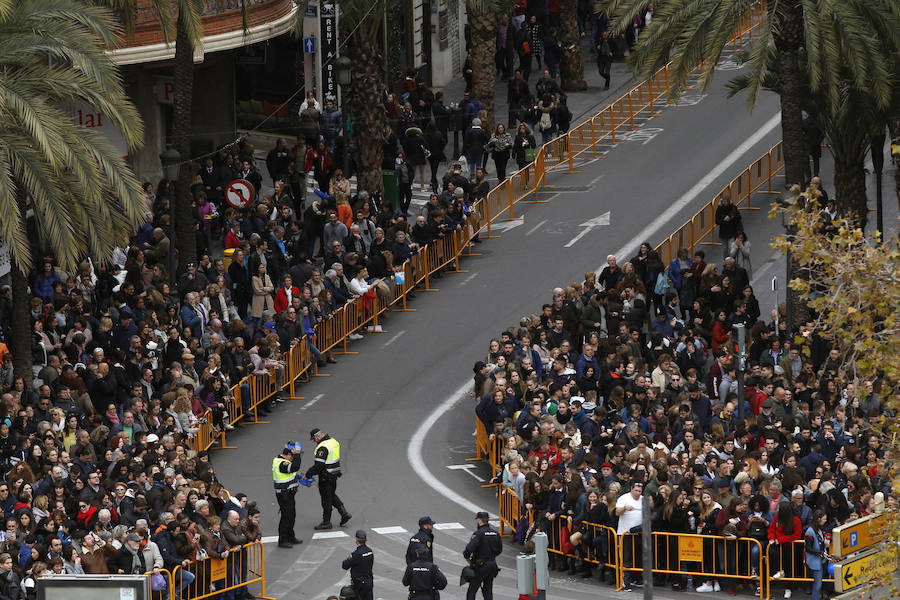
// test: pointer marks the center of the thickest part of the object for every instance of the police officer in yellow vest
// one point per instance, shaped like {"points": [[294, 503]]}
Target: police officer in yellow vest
{"points": [[284, 472], [328, 467]]}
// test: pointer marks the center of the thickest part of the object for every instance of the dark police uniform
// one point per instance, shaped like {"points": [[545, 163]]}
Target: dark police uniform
{"points": [[424, 579], [483, 549], [422, 539], [360, 564], [327, 466], [284, 474]]}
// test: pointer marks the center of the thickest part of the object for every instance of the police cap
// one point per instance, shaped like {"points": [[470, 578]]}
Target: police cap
{"points": [[361, 535], [482, 515], [425, 521], [313, 432]]}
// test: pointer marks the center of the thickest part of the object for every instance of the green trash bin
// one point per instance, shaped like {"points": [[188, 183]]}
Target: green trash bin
{"points": [[389, 180]]}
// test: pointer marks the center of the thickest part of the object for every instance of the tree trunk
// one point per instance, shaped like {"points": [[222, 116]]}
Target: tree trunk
{"points": [[483, 26], [788, 41], [894, 127], [20, 333], [572, 67], [368, 111], [850, 188], [182, 107]]}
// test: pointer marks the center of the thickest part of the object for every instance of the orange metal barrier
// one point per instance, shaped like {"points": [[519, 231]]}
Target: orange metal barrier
{"points": [[701, 556], [790, 560], [599, 544], [510, 509], [212, 576], [163, 594]]}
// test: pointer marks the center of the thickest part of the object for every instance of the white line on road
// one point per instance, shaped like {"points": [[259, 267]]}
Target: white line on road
{"points": [[468, 469], [444, 526], [393, 339], [269, 539], [653, 227], [324, 535], [589, 225], [414, 452], [385, 530], [313, 401], [536, 227], [468, 279]]}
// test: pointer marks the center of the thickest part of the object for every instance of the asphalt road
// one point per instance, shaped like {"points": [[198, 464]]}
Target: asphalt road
{"points": [[399, 407]]}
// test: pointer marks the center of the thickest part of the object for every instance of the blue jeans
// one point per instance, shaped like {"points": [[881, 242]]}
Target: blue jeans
{"points": [[315, 351], [817, 583], [183, 579]]}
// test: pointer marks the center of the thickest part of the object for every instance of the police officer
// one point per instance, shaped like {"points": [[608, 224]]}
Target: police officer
{"points": [[423, 538], [482, 551], [284, 473], [328, 467], [423, 577], [360, 564]]}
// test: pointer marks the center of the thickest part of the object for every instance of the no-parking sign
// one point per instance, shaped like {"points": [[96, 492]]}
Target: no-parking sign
{"points": [[239, 193]]}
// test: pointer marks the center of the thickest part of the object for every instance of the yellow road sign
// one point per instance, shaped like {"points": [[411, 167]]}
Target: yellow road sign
{"points": [[864, 567], [858, 535]]}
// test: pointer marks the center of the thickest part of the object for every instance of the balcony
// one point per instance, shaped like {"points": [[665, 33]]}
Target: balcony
{"points": [[222, 29]]}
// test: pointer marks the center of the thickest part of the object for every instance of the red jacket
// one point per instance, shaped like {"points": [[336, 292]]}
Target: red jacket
{"points": [[281, 301], [779, 535], [232, 241]]}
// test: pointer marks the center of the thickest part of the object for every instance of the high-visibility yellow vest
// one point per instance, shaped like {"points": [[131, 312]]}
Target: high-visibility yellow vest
{"points": [[333, 459], [283, 481]]}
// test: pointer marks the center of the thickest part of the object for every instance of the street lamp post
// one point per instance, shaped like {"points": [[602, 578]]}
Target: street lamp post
{"points": [[343, 67], [171, 163]]}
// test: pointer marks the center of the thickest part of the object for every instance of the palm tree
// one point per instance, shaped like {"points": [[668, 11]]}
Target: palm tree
{"points": [[572, 67], [482, 16], [691, 31], [363, 22], [83, 197]]}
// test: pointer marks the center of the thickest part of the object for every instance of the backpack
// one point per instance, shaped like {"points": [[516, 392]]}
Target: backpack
{"points": [[546, 124]]}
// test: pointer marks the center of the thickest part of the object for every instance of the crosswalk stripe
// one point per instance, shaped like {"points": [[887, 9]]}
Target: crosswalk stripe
{"points": [[386, 530], [324, 535], [446, 526]]}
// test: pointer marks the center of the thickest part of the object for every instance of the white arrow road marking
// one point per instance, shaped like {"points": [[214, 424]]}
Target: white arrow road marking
{"points": [[588, 226], [467, 469], [507, 225]]}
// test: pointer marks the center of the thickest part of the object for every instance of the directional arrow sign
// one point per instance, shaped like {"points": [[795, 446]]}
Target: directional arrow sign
{"points": [[858, 535], [864, 567], [507, 225], [588, 226]]}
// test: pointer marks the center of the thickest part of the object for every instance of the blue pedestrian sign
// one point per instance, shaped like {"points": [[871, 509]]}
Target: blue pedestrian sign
{"points": [[309, 45]]}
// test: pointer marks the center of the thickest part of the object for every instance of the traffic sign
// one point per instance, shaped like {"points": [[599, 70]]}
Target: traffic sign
{"points": [[858, 535], [309, 45], [864, 567], [239, 193]]}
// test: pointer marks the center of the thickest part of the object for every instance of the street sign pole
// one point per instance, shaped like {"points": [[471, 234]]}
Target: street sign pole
{"points": [[739, 367], [647, 539]]}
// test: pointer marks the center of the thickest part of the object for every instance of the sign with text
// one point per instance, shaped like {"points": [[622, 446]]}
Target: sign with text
{"points": [[329, 43], [690, 548], [88, 118], [164, 90], [858, 535], [877, 563]]}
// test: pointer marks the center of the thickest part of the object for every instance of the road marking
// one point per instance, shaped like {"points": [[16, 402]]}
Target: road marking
{"points": [[536, 227], [311, 402], [595, 180], [269, 539], [445, 526], [324, 535], [643, 135], [414, 451], [653, 227], [393, 339], [507, 225], [588, 226], [468, 279], [386, 530], [468, 469]]}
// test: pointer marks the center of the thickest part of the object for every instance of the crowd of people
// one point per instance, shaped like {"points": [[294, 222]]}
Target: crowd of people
{"points": [[625, 385]]}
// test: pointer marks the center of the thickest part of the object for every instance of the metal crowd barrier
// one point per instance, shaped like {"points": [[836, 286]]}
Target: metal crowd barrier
{"points": [[213, 576]]}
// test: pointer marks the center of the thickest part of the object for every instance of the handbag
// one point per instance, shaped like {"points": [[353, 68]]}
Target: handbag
{"points": [[399, 277], [157, 582], [662, 284], [565, 544], [529, 154]]}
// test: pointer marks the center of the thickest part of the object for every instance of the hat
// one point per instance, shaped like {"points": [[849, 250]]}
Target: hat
{"points": [[313, 432], [606, 464], [482, 515], [361, 535], [152, 438], [133, 537], [425, 521], [768, 403]]}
